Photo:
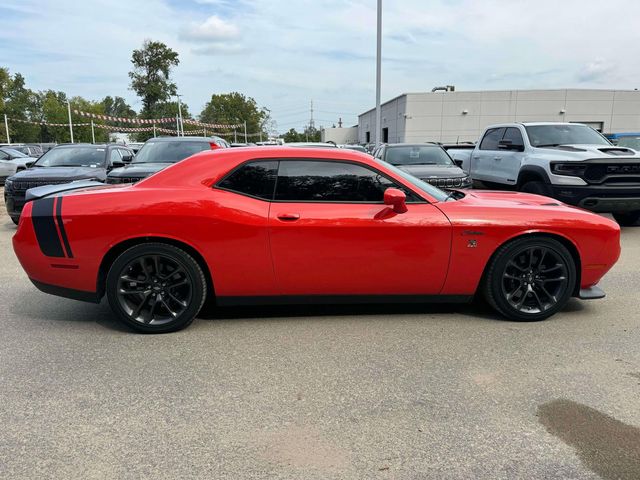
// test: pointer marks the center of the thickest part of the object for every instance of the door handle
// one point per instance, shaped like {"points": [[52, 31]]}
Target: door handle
{"points": [[288, 217]]}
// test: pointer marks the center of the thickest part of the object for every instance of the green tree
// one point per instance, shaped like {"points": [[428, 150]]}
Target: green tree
{"points": [[20, 103], [117, 107], [235, 108], [292, 136], [150, 77]]}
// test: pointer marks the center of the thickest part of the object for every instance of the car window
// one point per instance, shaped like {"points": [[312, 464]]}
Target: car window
{"points": [[3, 155], [491, 139], [330, 181], [125, 153], [416, 155], [115, 156], [170, 151], [256, 179], [73, 157], [514, 135]]}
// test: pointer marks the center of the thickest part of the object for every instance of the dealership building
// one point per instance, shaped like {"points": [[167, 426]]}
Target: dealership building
{"points": [[459, 116]]}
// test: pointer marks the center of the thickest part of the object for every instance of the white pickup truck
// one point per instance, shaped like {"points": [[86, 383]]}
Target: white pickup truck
{"points": [[567, 161]]}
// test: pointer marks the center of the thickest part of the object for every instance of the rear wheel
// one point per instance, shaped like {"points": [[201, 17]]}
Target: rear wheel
{"points": [[627, 219], [530, 279], [156, 288], [538, 188]]}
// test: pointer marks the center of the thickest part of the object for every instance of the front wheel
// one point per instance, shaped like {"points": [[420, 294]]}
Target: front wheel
{"points": [[627, 219], [156, 288], [530, 279]]}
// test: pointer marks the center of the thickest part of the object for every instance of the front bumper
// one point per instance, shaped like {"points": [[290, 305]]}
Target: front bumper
{"points": [[14, 204], [600, 199]]}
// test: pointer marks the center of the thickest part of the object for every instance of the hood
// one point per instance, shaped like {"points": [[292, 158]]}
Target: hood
{"points": [[434, 171], [61, 173], [138, 169], [501, 198], [22, 161], [585, 152]]}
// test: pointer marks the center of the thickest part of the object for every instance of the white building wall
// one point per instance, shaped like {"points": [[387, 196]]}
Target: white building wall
{"points": [[462, 116]]}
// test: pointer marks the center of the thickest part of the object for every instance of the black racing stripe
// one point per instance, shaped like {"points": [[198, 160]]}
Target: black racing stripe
{"points": [[45, 228], [63, 232]]}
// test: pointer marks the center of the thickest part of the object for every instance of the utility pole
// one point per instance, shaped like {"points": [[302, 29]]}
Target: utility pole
{"points": [[235, 139], [181, 127], [245, 131], [70, 124], [154, 130], [93, 132], [378, 74], [312, 124], [6, 128], [340, 122], [177, 126]]}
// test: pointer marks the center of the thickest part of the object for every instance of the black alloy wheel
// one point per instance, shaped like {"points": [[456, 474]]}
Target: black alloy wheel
{"points": [[156, 288], [530, 278]]}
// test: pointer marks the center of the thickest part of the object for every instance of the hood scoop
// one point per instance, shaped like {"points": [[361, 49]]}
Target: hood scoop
{"points": [[617, 151]]}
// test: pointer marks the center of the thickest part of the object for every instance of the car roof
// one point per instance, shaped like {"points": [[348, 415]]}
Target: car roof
{"points": [[182, 139], [310, 145], [425, 144]]}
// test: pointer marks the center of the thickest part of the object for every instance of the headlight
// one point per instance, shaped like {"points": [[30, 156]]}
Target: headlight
{"points": [[466, 181], [8, 183], [574, 169]]}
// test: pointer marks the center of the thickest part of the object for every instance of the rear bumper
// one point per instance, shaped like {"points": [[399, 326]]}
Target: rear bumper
{"points": [[600, 199], [592, 293], [91, 297]]}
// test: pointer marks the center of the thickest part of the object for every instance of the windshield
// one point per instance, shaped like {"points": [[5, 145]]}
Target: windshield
{"points": [[562, 134], [424, 186], [417, 155], [168, 152], [72, 157], [14, 153], [629, 142]]}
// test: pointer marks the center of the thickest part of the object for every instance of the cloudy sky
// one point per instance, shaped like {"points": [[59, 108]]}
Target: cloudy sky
{"points": [[285, 53]]}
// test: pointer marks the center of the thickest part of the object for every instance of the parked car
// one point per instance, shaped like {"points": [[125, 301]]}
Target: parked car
{"points": [[63, 164], [21, 160], [628, 140], [311, 145], [305, 225], [7, 167], [30, 150], [426, 161], [357, 148], [159, 153], [570, 162]]}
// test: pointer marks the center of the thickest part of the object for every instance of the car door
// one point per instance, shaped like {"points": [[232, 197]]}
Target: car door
{"points": [[507, 165], [485, 158], [331, 234], [6, 167]]}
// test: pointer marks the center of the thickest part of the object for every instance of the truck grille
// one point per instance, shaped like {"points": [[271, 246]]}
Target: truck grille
{"points": [[613, 173], [21, 186], [445, 182], [117, 180]]}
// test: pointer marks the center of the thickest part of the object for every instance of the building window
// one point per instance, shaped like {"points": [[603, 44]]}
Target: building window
{"points": [[385, 135]]}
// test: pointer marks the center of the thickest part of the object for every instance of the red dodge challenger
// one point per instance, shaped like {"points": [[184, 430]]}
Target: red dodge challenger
{"points": [[301, 225]]}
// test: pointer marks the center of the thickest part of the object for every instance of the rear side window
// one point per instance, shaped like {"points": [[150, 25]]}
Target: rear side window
{"points": [[255, 179], [491, 139], [324, 181]]}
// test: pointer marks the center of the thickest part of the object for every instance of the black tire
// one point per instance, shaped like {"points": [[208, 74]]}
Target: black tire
{"points": [[538, 188], [156, 288], [627, 219], [15, 220], [530, 279]]}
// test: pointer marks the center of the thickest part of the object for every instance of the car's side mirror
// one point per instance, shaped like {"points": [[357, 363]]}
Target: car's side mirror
{"points": [[397, 199], [127, 158], [459, 163], [117, 164], [29, 164], [509, 145]]}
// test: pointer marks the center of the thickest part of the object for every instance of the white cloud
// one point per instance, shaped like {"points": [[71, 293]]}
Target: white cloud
{"points": [[213, 29]]}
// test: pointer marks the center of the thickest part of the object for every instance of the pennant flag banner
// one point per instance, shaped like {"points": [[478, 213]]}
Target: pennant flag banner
{"points": [[188, 121], [19, 120], [109, 118]]}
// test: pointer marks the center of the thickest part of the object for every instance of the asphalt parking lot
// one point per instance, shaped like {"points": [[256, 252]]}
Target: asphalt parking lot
{"points": [[342, 392]]}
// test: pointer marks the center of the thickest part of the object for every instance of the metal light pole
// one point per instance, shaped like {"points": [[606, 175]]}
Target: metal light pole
{"points": [[378, 75], [245, 131], [70, 124], [180, 115], [6, 128], [93, 133], [154, 130]]}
